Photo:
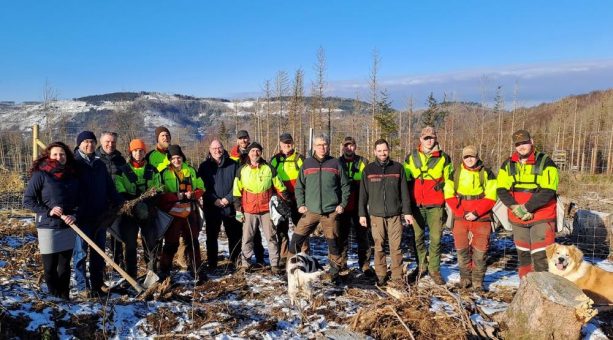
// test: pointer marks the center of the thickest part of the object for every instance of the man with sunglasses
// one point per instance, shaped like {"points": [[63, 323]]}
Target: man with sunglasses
{"points": [[429, 171], [527, 185]]}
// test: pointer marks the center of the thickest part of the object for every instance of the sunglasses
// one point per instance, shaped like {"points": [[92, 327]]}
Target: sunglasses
{"points": [[429, 138]]}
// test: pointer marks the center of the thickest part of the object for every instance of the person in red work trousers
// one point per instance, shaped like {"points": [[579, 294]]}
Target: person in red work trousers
{"points": [[183, 189], [430, 170], [527, 185], [473, 198]]}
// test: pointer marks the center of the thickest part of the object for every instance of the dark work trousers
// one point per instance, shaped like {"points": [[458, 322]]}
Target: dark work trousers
{"points": [[116, 247], [56, 268], [129, 233], [283, 235], [234, 232], [351, 221], [306, 226], [530, 242]]}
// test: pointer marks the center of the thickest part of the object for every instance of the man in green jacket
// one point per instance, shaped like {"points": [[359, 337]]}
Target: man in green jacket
{"points": [[322, 193]]}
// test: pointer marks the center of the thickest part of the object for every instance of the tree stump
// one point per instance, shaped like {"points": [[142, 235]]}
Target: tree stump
{"points": [[546, 306]]}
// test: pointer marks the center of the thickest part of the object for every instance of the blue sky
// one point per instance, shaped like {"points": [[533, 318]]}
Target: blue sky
{"points": [[462, 49]]}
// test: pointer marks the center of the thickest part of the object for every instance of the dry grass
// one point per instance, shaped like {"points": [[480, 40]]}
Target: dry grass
{"points": [[11, 181]]}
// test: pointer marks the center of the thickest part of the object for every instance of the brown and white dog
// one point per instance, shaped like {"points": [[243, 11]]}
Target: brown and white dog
{"points": [[567, 261], [302, 270]]}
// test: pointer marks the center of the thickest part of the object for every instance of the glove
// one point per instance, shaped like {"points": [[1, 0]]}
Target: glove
{"points": [[519, 210], [240, 216], [528, 216]]}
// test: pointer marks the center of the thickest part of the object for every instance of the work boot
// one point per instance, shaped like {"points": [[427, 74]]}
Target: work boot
{"points": [[465, 282], [416, 275], [478, 273], [381, 281], [202, 277], [437, 278]]}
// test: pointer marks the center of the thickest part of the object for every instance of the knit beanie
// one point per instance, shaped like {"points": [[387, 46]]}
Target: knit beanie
{"points": [[86, 135], [254, 145], [136, 144], [175, 150], [159, 130]]}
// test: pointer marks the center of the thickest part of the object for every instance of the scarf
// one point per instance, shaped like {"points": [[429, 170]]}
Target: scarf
{"points": [[54, 168]]}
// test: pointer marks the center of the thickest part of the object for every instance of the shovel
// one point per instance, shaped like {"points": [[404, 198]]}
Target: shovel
{"points": [[108, 260]]}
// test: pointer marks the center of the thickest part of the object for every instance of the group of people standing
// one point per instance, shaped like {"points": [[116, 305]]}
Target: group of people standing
{"points": [[254, 199]]}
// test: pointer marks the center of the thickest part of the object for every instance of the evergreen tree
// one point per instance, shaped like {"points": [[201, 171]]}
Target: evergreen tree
{"points": [[434, 114], [386, 119], [222, 131]]}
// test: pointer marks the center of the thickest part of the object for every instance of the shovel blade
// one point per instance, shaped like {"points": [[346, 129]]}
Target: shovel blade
{"points": [[150, 279]]}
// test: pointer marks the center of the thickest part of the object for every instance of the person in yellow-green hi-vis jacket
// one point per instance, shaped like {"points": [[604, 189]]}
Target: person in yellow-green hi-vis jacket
{"points": [[182, 192], [527, 185], [132, 179], [429, 170]]}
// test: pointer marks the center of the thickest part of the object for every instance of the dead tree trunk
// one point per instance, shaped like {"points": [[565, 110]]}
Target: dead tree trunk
{"points": [[546, 306]]}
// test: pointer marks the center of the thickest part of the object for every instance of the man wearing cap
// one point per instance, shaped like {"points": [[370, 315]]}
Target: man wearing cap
{"points": [[182, 190], [239, 153], [527, 185], [322, 193], [287, 162], [471, 203], [218, 172], [384, 198], [354, 165], [240, 149], [430, 170], [133, 179], [98, 194], [113, 159], [158, 156], [255, 184]]}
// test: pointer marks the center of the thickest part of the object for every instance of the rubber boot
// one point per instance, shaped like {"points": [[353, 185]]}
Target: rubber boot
{"points": [[463, 264], [478, 270]]}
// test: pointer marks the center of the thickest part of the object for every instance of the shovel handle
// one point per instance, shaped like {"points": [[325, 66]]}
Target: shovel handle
{"points": [[108, 260]]}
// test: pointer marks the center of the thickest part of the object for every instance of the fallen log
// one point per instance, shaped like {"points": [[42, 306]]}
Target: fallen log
{"points": [[546, 306]]}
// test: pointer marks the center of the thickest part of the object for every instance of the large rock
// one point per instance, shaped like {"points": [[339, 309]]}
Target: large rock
{"points": [[546, 306]]}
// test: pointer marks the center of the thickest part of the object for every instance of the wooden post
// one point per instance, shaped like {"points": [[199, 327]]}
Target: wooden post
{"points": [[34, 143]]}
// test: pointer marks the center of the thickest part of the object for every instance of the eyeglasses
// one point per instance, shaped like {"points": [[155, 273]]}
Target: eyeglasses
{"points": [[429, 138]]}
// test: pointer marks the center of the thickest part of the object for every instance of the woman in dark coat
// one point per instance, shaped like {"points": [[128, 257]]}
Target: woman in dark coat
{"points": [[52, 193]]}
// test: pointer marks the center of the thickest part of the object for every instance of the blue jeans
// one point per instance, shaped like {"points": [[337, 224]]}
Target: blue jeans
{"points": [[96, 262]]}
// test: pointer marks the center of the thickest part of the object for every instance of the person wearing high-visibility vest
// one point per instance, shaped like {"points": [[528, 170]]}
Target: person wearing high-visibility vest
{"points": [[255, 184], [354, 165], [133, 179], [288, 162], [527, 185], [182, 191], [238, 153], [429, 170], [473, 198], [158, 157]]}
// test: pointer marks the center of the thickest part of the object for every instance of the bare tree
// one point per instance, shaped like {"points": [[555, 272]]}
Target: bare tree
{"points": [[318, 90], [373, 85]]}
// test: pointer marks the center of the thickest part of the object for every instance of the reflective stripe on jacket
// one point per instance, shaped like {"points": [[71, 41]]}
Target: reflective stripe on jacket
{"points": [[288, 168], [533, 184], [476, 192], [254, 186], [158, 159], [431, 177], [134, 181]]}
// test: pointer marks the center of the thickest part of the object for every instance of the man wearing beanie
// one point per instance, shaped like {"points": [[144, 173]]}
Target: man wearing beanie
{"points": [[133, 179], [255, 184], [471, 203], [238, 153], [158, 156], [113, 159], [430, 170], [97, 191], [527, 185]]}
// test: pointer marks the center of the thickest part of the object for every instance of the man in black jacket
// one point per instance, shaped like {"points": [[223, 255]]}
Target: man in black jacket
{"points": [[218, 172], [113, 159], [384, 197], [98, 195]]}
